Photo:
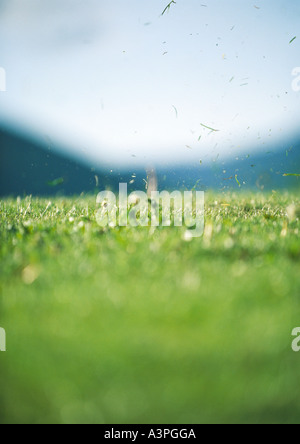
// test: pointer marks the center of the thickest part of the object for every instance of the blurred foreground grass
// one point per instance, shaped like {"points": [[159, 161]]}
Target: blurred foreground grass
{"points": [[134, 326]]}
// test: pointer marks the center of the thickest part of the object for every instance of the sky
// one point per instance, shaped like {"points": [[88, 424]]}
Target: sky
{"points": [[117, 83]]}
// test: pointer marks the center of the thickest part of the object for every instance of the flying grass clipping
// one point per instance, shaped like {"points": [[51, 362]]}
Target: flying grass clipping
{"points": [[167, 8]]}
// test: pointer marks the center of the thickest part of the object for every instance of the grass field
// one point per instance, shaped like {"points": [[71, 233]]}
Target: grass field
{"points": [[134, 326]]}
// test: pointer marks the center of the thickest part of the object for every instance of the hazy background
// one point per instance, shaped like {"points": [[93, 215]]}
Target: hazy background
{"points": [[124, 325], [117, 84]]}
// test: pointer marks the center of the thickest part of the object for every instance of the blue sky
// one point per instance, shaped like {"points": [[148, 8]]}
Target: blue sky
{"points": [[113, 81]]}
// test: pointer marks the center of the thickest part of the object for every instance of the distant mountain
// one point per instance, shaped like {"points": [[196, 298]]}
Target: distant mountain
{"points": [[30, 168], [258, 171]]}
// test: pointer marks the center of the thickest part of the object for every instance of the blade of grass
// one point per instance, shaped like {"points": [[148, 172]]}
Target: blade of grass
{"points": [[56, 182], [237, 181], [208, 127], [176, 111], [168, 7]]}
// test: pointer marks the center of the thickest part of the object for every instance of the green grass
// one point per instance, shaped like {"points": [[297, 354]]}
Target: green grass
{"points": [[133, 326]]}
